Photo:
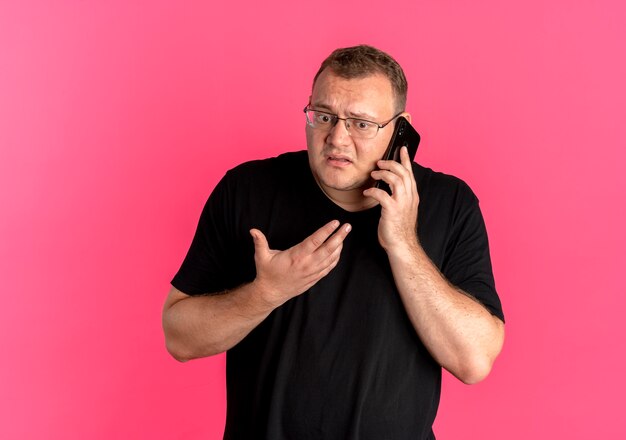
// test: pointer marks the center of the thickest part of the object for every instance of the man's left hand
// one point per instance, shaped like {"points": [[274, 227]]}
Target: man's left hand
{"points": [[398, 219]]}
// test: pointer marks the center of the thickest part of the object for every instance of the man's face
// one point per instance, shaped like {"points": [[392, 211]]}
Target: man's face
{"points": [[340, 163]]}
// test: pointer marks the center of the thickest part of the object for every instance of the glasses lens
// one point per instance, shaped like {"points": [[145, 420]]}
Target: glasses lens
{"points": [[321, 120], [360, 128], [309, 117]]}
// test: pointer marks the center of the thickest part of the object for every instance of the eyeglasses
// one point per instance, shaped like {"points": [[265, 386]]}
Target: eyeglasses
{"points": [[357, 128]]}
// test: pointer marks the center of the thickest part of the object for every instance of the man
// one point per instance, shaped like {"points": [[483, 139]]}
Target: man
{"points": [[336, 302]]}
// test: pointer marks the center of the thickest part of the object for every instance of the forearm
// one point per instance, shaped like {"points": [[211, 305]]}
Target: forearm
{"points": [[458, 331], [201, 326]]}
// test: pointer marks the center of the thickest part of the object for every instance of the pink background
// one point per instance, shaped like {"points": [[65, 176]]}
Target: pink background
{"points": [[118, 118]]}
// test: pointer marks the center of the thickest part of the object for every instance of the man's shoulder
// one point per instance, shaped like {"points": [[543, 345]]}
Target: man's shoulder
{"points": [[270, 174], [289, 162], [436, 183]]}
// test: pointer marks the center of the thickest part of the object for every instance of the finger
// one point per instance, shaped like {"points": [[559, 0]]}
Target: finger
{"points": [[335, 241], [404, 169], [261, 246], [393, 166], [400, 186], [405, 159], [328, 268], [315, 240], [328, 264], [406, 162], [389, 177], [379, 195], [333, 257]]}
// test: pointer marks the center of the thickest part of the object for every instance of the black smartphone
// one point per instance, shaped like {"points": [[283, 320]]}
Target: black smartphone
{"points": [[404, 135]]}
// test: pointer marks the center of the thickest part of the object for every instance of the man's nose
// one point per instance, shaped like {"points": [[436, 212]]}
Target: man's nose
{"points": [[339, 134]]}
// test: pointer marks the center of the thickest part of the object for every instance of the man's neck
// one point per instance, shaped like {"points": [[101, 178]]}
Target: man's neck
{"points": [[351, 200]]}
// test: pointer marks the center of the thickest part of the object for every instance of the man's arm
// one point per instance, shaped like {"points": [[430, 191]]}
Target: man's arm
{"points": [[458, 331], [200, 326]]}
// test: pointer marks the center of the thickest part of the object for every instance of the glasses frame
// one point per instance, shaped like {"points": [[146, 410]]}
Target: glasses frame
{"points": [[345, 120]]}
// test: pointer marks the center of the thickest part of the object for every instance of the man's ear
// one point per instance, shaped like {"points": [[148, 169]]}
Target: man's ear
{"points": [[407, 116]]}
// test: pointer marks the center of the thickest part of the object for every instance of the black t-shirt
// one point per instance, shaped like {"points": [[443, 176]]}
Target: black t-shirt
{"points": [[342, 360]]}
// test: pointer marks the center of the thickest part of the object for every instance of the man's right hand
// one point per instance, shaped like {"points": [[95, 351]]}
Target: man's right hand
{"points": [[204, 325], [282, 275]]}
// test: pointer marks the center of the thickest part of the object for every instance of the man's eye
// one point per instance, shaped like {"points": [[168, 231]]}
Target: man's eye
{"points": [[363, 125], [322, 118]]}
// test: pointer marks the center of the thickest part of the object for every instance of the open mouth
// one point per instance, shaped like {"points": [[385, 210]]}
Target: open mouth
{"points": [[338, 160]]}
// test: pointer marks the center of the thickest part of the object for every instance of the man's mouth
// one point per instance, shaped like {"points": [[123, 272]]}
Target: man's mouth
{"points": [[338, 160]]}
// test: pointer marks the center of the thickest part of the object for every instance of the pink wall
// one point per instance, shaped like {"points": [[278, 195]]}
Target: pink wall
{"points": [[117, 119]]}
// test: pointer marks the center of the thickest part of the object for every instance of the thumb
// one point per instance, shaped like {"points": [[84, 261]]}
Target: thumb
{"points": [[261, 247]]}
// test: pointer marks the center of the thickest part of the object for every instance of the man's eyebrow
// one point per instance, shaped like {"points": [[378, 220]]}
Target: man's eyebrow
{"points": [[361, 115], [322, 106], [358, 115]]}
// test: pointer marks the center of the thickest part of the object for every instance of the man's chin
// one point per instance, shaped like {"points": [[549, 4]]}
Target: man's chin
{"points": [[345, 186], [330, 180]]}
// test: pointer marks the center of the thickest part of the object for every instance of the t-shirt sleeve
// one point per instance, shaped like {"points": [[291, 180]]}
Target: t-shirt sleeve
{"points": [[468, 263], [206, 266]]}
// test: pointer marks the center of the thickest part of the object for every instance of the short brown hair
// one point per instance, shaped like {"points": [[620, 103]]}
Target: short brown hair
{"points": [[363, 60]]}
